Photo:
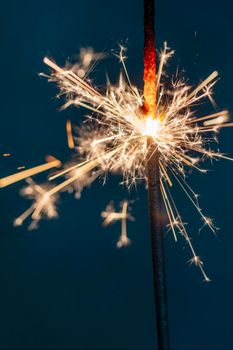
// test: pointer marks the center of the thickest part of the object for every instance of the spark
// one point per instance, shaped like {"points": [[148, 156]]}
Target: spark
{"points": [[110, 216], [85, 61], [11, 179], [39, 195], [69, 134], [113, 138]]}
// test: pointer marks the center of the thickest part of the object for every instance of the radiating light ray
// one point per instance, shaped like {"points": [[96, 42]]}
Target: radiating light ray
{"points": [[204, 218], [203, 85], [11, 179], [177, 224], [170, 214], [211, 116]]}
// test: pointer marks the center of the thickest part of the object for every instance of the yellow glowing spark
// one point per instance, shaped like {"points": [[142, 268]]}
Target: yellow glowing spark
{"points": [[110, 216], [9, 180], [69, 134]]}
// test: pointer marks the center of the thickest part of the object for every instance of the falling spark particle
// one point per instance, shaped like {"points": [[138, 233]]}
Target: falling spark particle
{"points": [[11, 179], [110, 216], [85, 62], [69, 134]]}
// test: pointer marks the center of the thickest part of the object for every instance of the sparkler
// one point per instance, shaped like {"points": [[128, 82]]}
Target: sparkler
{"points": [[153, 178], [154, 136], [115, 137]]}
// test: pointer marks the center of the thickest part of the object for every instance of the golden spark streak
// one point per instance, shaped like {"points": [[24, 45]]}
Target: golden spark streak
{"points": [[24, 216], [11, 179], [210, 78], [69, 134], [211, 116], [170, 214], [164, 172], [94, 161], [124, 216], [69, 75]]}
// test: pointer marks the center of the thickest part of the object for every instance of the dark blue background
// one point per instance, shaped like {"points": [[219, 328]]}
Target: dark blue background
{"points": [[66, 286]]}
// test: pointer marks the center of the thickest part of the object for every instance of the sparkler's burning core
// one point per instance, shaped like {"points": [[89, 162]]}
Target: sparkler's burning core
{"points": [[152, 127], [114, 138]]}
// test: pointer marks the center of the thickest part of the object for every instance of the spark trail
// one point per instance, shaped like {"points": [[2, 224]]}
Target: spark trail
{"points": [[153, 179]]}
